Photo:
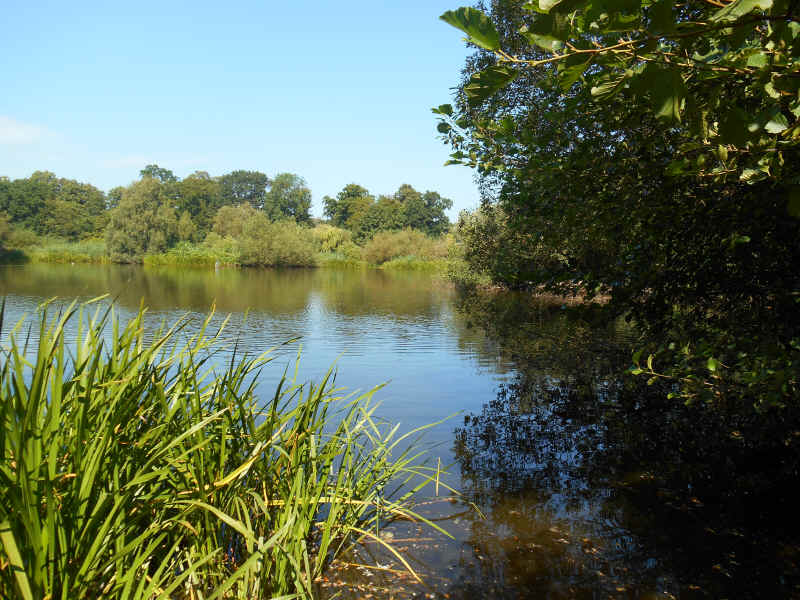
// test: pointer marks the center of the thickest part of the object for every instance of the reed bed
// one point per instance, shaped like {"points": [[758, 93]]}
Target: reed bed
{"points": [[139, 467], [86, 251]]}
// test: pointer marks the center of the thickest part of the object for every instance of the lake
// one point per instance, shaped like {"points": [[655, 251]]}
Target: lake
{"points": [[572, 486]]}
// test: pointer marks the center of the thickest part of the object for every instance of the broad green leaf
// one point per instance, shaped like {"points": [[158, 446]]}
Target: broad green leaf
{"points": [[661, 19], [608, 88], [739, 8], [476, 25], [679, 167], [666, 88], [15, 561], [486, 83], [757, 59], [777, 124], [712, 364], [569, 75], [753, 175], [443, 127], [548, 43], [548, 5], [733, 128], [443, 109]]}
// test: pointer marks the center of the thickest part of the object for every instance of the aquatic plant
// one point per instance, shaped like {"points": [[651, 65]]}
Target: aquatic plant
{"points": [[136, 466]]}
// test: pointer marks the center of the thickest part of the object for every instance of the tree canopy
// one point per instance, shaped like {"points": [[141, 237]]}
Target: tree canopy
{"points": [[355, 209], [723, 72], [618, 198], [288, 197]]}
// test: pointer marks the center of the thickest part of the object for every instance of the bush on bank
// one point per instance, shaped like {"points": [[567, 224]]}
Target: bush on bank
{"points": [[388, 245]]}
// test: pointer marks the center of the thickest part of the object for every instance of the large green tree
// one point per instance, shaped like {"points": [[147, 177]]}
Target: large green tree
{"points": [[629, 200], [144, 222], [200, 197], [159, 173], [288, 197], [349, 205], [354, 208], [50, 205], [244, 186], [424, 211]]}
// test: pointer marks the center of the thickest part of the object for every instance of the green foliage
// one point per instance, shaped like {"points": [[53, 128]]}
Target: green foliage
{"points": [[424, 212], [187, 230], [241, 186], [329, 238], [348, 207], [212, 252], [198, 196], [158, 173], [288, 198], [493, 249], [387, 214], [413, 263], [388, 245], [261, 242], [137, 468], [19, 237], [336, 245], [277, 244], [230, 220], [143, 223], [49, 205], [723, 73], [5, 230], [339, 260], [354, 208], [619, 198], [85, 251]]}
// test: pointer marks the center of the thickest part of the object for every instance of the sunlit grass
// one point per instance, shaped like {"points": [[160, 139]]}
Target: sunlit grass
{"points": [[415, 263], [87, 251], [136, 466]]}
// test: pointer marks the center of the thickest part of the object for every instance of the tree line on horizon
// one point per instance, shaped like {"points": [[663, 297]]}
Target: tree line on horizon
{"points": [[160, 210]]}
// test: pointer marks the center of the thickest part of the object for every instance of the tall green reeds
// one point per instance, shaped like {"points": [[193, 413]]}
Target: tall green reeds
{"points": [[139, 469]]}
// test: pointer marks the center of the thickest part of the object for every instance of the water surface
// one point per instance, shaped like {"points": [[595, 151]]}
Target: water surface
{"points": [[576, 482]]}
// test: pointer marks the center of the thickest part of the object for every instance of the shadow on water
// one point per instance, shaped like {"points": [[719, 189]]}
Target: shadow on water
{"points": [[595, 485]]}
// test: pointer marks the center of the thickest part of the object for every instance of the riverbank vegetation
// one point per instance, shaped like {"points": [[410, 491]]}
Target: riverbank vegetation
{"points": [[666, 184], [243, 218], [135, 466]]}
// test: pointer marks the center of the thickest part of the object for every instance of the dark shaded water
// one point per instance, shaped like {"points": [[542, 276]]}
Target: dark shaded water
{"points": [[576, 481]]}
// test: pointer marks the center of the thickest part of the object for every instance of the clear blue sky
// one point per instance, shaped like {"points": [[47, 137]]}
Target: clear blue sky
{"points": [[337, 92]]}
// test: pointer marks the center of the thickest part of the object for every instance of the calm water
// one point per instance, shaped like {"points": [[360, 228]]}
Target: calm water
{"points": [[570, 487]]}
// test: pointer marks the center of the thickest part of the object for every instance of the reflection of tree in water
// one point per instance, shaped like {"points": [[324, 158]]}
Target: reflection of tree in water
{"points": [[594, 484]]}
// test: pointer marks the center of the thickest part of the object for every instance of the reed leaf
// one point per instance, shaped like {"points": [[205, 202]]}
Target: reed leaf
{"points": [[136, 465]]}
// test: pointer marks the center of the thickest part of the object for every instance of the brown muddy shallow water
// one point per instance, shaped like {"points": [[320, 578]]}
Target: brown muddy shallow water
{"points": [[576, 480]]}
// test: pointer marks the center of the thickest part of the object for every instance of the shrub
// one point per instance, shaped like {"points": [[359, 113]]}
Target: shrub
{"points": [[388, 245], [19, 237], [329, 238], [281, 244], [488, 247]]}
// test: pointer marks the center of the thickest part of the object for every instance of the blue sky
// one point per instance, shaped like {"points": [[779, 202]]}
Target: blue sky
{"points": [[335, 92]]}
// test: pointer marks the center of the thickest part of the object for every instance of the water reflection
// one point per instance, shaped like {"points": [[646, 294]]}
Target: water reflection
{"points": [[593, 484], [587, 484]]}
